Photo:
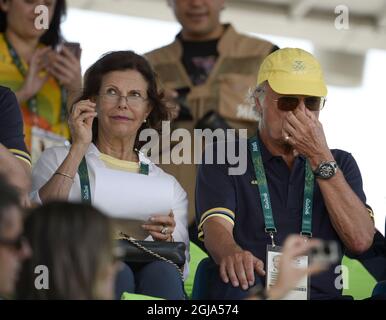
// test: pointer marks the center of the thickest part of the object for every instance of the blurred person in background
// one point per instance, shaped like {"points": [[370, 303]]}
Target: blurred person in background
{"points": [[207, 72], [15, 161], [120, 99], [14, 248], [75, 243], [43, 76]]}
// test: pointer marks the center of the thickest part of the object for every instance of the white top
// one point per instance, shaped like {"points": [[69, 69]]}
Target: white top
{"points": [[52, 158]]}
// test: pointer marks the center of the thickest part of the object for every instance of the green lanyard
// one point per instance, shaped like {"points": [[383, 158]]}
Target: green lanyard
{"points": [[85, 189], [270, 228], [32, 102]]}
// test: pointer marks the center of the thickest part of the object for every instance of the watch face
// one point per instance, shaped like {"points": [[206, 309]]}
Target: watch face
{"points": [[327, 170]]}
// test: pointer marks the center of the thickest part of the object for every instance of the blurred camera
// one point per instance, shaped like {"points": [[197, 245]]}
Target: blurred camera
{"points": [[212, 120], [326, 253], [184, 114]]}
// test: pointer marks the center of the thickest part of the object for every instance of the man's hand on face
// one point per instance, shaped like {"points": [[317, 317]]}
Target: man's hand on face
{"points": [[304, 132]]}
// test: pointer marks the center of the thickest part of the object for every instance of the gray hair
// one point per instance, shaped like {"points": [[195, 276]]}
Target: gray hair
{"points": [[256, 93]]}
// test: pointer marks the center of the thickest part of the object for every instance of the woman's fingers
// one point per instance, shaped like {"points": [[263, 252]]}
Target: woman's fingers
{"points": [[65, 67], [85, 115], [66, 58], [159, 236], [166, 220], [82, 106], [61, 72], [67, 54], [40, 53], [155, 228], [162, 229], [39, 58], [159, 232]]}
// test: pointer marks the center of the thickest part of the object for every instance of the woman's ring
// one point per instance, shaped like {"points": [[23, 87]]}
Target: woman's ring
{"points": [[164, 230]]}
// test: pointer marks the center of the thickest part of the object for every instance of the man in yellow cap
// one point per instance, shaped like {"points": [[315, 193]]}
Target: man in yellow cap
{"points": [[207, 70], [293, 184]]}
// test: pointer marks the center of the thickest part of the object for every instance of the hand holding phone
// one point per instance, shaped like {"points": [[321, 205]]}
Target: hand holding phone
{"points": [[65, 67], [74, 47], [326, 253]]}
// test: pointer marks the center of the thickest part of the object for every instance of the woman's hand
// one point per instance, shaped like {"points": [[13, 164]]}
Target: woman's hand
{"points": [[34, 79], [161, 228], [65, 67], [80, 122]]}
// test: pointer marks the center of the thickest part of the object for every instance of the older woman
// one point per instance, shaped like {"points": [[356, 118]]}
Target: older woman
{"points": [[120, 99]]}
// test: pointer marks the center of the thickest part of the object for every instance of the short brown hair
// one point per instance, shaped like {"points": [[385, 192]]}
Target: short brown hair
{"points": [[127, 60]]}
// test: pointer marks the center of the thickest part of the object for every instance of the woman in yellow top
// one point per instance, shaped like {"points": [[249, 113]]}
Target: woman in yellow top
{"points": [[42, 78]]}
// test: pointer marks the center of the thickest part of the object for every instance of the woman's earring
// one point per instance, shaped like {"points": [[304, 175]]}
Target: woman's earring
{"points": [[144, 121]]}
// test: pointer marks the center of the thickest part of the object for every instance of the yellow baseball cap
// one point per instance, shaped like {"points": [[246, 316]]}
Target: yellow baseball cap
{"points": [[293, 71]]}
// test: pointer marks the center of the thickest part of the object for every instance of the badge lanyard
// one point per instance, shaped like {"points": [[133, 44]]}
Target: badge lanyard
{"points": [[32, 102], [270, 228], [85, 189]]}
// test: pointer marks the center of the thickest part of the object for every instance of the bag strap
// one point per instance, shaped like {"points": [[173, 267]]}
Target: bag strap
{"points": [[151, 252]]}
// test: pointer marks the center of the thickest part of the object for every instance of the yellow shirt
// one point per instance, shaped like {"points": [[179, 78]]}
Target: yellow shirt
{"points": [[117, 164], [48, 98]]}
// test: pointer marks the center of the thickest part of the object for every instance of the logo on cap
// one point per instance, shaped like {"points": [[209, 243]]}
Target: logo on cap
{"points": [[298, 66]]}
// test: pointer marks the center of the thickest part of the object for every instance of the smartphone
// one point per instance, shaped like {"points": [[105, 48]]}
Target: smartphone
{"points": [[326, 253], [74, 47]]}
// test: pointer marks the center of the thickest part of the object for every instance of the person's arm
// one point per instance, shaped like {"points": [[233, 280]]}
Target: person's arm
{"points": [[15, 162], [347, 212], [16, 171], [34, 81], [180, 210], [236, 265], [59, 185], [80, 121], [215, 209]]}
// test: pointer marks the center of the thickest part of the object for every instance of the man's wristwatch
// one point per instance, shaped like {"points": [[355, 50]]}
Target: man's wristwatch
{"points": [[326, 169]]}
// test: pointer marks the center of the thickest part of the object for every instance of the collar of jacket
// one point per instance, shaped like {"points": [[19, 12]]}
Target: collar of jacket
{"points": [[223, 46]]}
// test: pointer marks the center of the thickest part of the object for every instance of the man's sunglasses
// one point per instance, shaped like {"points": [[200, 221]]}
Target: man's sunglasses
{"points": [[16, 244], [290, 103]]}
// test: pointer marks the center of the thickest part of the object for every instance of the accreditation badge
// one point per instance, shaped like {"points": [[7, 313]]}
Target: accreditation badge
{"points": [[42, 139], [302, 290]]}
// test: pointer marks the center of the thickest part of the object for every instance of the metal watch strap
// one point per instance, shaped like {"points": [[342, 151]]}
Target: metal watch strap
{"points": [[318, 170]]}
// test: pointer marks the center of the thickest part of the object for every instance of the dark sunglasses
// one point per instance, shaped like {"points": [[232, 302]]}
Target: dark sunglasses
{"points": [[290, 103], [16, 244]]}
